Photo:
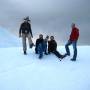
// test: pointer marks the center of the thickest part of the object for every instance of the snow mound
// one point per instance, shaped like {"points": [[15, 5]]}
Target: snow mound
{"points": [[7, 39]]}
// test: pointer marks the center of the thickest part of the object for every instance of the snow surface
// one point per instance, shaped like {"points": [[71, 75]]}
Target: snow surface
{"points": [[7, 39], [27, 72]]}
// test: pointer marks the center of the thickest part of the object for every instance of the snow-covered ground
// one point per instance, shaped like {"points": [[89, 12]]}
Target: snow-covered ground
{"points": [[7, 39], [27, 72]]}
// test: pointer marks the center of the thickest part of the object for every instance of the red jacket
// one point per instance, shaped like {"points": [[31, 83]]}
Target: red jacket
{"points": [[74, 34]]}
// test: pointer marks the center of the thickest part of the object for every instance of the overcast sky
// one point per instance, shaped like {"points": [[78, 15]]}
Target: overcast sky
{"points": [[52, 17]]}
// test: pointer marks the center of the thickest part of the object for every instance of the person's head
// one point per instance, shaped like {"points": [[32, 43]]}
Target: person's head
{"points": [[52, 38], [47, 37], [41, 36], [73, 25], [27, 19]]}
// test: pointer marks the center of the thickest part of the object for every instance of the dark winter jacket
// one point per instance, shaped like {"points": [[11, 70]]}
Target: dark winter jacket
{"points": [[25, 28], [74, 34], [38, 41], [52, 46]]}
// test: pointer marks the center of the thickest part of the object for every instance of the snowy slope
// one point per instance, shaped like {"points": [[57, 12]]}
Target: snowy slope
{"points": [[20, 72], [7, 39]]}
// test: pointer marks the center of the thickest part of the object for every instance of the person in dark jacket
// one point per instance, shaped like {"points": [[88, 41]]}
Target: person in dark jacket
{"points": [[45, 45], [39, 49], [52, 48], [73, 40], [26, 32]]}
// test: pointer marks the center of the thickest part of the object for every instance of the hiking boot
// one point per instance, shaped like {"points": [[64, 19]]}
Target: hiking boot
{"points": [[63, 56], [25, 53], [67, 54], [31, 45], [73, 59], [46, 53], [60, 59], [40, 57]]}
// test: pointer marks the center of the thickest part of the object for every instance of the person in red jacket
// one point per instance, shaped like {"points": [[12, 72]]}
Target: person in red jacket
{"points": [[73, 40]]}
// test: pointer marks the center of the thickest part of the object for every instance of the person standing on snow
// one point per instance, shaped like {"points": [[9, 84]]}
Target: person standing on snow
{"points": [[73, 40], [26, 32]]}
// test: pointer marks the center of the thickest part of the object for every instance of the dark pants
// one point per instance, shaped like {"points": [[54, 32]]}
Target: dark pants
{"points": [[45, 48], [40, 49], [74, 43], [57, 54], [24, 36]]}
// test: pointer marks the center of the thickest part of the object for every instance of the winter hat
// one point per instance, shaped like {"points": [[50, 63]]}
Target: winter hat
{"points": [[27, 18], [47, 36]]}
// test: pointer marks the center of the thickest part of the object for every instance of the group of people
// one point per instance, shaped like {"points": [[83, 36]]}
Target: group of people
{"points": [[46, 46]]}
